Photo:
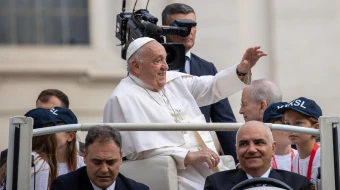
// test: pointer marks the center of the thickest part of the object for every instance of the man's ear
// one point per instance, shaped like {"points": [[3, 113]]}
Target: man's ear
{"points": [[135, 66], [121, 156], [263, 106], [274, 147], [84, 156], [316, 126]]}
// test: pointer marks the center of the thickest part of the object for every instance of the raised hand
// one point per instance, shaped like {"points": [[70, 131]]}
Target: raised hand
{"points": [[250, 57], [205, 155]]}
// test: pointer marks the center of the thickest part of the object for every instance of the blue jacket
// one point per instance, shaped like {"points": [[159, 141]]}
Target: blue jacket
{"points": [[78, 180]]}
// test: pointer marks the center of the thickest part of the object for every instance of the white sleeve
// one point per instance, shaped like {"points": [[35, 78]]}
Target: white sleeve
{"points": [[39, 181], [177, 153], [113, 111], [210, 89]]}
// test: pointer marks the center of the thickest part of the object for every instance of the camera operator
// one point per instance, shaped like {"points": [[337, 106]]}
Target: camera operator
{"points": [[194, 65]]}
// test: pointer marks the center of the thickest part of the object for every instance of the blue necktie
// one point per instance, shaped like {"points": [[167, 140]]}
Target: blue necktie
{"points": [[182, 70]]}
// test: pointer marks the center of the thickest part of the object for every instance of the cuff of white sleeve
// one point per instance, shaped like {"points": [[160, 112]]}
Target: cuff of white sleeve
{"points": [[179, 158]]}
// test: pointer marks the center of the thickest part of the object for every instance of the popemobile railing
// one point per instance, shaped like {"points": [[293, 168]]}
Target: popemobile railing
{"points": [[21, 133]]}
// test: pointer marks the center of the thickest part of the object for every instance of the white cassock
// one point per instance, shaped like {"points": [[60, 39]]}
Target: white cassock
{"points": [[133, 101]]}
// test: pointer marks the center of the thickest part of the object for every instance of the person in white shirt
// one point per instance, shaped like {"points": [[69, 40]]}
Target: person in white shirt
{"points": [[151, 94], [304, 112], [284, 154], [255, 147], [44, 150]]}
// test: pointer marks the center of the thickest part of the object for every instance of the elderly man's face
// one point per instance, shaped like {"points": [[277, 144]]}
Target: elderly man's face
{"points": [[153, 69], [250, 109], [254, 148], [103, 160]]}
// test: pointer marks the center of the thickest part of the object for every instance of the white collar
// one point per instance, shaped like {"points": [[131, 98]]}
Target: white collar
{"points": [[265, 175], [111, 187], [188, 54], [140, 82]]}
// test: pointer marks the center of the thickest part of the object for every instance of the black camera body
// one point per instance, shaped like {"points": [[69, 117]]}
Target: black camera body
{"points": [[140, 23]]}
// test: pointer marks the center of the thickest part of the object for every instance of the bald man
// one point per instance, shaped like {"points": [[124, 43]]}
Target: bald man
{"points": [[254, 148]]}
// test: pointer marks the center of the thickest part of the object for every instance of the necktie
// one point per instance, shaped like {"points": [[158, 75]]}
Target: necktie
{"points": [[183, 70]]}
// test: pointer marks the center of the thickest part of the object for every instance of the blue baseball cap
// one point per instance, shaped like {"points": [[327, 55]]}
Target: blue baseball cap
{"points": [[41, 117], [304, 106], [64, 115], [271, 111]]}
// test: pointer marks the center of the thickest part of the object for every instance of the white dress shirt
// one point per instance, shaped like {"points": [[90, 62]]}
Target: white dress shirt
{"points": [[112, 187], [265, 175], [187, 62]]}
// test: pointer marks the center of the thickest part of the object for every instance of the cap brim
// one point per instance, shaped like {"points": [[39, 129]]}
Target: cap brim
{"points": [[283, 110], [272, 117]]}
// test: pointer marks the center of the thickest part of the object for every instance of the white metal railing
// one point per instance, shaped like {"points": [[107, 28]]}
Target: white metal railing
{"points": [[169, 127], [25, 125]]}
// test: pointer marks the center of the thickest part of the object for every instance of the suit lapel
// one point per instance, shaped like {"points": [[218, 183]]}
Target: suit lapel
{"points": [[275, 175], [85, 183], [239, 177], [195, 65], [120, 184]]}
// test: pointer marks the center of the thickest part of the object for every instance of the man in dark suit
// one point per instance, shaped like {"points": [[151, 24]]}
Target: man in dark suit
{"points": [[103, 158], [220, 111], [255, 148]]}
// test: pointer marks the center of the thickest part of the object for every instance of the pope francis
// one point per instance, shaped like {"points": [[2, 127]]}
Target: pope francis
{"points": [[152, 94]]}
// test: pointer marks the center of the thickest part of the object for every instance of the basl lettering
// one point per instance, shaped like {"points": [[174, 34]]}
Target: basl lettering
{"points": [[302, 105], [297, 102]]}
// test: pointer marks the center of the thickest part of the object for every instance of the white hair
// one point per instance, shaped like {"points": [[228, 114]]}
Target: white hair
{"points": [[137, 56], [263, 89]]}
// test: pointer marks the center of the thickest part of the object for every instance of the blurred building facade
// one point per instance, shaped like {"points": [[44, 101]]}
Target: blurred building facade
{"points": [[71, 46]]}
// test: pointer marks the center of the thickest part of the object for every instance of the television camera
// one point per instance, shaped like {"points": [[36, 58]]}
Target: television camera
{"points": [[140, 23]]}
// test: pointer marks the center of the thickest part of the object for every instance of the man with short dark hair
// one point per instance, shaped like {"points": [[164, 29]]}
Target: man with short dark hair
{"points": [[103, 157], [50, 98], [219, 112], [255, 148]]}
